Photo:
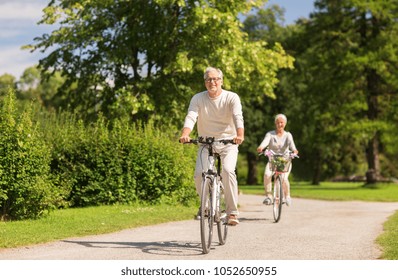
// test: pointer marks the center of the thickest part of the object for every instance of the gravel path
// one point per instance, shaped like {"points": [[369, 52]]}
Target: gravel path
{"points": [[308, 230]]}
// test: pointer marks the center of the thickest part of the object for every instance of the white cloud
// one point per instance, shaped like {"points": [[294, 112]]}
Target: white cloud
{"points": [[21, 10], [8, 33], [18, 27], [14, 61]]}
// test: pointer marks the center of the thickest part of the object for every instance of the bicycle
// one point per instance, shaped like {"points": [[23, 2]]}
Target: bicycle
{"points": [[279, 164], [212, 206]]}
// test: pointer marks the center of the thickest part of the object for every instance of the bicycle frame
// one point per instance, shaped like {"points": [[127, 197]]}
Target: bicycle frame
{"points": [[213, 174], [212, 187]]}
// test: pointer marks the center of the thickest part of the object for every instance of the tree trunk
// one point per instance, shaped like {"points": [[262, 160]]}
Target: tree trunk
{"points": [[373, 90], [372, 156], [372, 150], [252, 168], [316, 177]]}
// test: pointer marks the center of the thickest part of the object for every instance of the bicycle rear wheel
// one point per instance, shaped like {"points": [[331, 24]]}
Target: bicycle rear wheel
{"points": [[278, 199], [206, 216], [222, 225]]}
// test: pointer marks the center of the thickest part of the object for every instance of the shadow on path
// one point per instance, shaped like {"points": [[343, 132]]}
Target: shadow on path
{"points": [[167, 248]]}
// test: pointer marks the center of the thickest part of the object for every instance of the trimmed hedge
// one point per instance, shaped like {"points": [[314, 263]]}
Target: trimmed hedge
{"points": [[58, 161], [119, 162]]}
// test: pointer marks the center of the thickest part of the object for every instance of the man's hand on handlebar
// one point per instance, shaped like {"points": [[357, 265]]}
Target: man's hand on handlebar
{"points": [[185, 139], [238, 140]]}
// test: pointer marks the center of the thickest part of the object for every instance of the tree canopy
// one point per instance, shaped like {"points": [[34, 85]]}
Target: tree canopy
{"points": [[148, 57]]}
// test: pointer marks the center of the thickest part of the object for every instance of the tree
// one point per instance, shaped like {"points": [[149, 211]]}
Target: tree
{"points": [[352, 60], [7, 81], [29, 83], [149, 56]]}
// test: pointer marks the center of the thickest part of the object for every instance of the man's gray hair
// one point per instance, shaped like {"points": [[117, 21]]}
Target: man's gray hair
{"points": [[209, 69], [281, 116]]}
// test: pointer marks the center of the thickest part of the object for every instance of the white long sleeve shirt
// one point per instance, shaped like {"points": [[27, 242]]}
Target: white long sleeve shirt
{"points": [[277, 144], [218, 117]]}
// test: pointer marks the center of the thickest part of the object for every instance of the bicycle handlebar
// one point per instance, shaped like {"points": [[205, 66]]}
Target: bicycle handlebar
{"points": [[210, 140], [268, 153]]}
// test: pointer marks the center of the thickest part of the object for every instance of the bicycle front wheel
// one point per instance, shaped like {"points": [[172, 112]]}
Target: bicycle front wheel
{"points": [[222, 223], [206, 216], [278, 198]]}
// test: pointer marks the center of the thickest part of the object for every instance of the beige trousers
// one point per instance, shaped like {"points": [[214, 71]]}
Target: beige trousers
{"points": [[229, 157]]}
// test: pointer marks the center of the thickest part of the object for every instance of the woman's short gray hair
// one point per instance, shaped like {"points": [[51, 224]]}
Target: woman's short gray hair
{"points": [[209, 69], [281, 116]]}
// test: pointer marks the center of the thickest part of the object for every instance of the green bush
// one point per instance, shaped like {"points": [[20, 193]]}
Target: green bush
{"points": [[59, 161], [25, 188], [107, 163]]}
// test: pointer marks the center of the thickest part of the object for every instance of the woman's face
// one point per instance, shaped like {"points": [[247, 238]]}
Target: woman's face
{"points": [[280, 124]]}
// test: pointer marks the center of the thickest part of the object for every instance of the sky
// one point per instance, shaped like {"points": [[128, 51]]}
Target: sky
{"points": [[18, 27]]}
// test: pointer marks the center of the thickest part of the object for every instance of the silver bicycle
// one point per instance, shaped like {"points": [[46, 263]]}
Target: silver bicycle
{"points": [[212, 206], [279, 164]]}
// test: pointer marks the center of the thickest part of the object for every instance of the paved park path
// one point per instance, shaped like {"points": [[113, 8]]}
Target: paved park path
{"points": [[308, 230]]}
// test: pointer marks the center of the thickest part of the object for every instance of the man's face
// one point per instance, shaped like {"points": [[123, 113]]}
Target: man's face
{"points": [[213, 82]]}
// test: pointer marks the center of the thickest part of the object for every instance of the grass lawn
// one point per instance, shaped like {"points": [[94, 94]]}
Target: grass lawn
{"points": [[88, 221], [336, 191]]}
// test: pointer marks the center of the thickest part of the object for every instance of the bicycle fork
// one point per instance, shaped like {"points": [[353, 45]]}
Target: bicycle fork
{"points": [[220, 213], [214, 193]]}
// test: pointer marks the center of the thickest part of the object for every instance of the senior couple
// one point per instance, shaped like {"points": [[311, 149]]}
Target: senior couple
{"points": [[218, 114]]}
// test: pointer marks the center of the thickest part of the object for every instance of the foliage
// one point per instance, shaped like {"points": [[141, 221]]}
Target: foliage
{"points": [[7, 82], [25, 188], [338, 92], [151, 55], [279, 163], [340, 96], [116, 162]]}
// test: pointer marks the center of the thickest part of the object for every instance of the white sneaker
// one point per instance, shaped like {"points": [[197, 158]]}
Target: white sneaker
{"points": [[288, 201], [267, 201]]}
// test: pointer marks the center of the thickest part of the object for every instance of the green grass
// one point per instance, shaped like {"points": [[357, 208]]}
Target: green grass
{"points": [[87, 221], [337, 191], [105, 219], [389, 239]]}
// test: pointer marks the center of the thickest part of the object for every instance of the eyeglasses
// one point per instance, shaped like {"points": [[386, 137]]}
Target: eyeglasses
{"points": [[209, 80]]}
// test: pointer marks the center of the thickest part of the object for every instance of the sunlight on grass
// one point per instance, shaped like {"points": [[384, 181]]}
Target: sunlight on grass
{"points": [[389, 239], [87, 221], [336, 191]]}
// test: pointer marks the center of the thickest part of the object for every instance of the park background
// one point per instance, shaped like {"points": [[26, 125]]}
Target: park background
{"points": [[96, 122]]}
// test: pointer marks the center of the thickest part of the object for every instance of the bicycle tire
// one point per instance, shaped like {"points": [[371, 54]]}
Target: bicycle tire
{"points": [[206, 217], [222, 219], [278, 199]]}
